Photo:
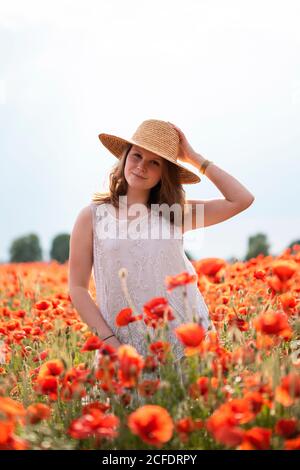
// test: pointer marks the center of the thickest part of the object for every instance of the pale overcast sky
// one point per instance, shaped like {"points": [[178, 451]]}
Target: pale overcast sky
{"points": [[226, 73]]}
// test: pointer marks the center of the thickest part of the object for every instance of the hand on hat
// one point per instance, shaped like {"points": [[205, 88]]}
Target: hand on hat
{"points": [[185, 152]]}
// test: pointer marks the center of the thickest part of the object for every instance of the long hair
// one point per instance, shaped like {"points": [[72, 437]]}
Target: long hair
{"points": [[168, 190]]}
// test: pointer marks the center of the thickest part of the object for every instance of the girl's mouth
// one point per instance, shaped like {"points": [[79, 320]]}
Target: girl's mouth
{"points": [[141, 177]]}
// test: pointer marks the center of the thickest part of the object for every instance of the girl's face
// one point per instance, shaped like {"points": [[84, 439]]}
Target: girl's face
{"points": [[143, 169]]}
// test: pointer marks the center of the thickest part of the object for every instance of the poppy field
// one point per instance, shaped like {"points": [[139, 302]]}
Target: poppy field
{"points": [[238, 386]]}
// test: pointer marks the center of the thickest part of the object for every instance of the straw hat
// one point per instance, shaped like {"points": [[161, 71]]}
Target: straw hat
{"points": [[156, 136]]}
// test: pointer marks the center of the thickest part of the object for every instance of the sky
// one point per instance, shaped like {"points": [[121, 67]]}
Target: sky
{"points": [[226, 73]]}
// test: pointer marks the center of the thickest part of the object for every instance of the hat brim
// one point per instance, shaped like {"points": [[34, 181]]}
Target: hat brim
{"points": [[116, 145]]}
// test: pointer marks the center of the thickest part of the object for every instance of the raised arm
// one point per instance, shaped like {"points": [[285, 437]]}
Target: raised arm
{"points": [[236, 199], [80, 268]]}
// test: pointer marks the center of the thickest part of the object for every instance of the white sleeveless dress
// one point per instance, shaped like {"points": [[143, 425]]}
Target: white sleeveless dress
{"points": [[148, 261]]}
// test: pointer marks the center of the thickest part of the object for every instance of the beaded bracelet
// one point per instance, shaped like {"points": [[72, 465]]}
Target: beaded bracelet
{"points": [[204, 166], [107, 337]]}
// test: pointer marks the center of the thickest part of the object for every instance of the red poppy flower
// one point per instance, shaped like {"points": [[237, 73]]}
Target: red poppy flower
{"points": [[43, 305], [292, 444], [92, 343], [150, 363], [180, 280], [233, 413], [131, 365], [147, 388], [210, 266], [160, 349], [13, 325], [95, 424], [69, 391], [259, 274], [125, 317], [38, 411], [239, 323], [11, 408], [284, 269], [95, 405], [53, 367], [273, 323], [152, 424], [288, 302], [289, 389], [256, 438], [190, 334], [47, 385], [185, 425], [230, 436], [41, 356], [158, 309], [6, 434], [202, 386], [286, 427]]}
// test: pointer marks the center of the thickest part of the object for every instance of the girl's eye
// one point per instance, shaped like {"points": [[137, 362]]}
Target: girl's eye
{"points": [[153, 161]]}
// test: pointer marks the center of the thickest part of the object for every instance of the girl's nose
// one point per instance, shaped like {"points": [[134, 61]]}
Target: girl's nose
{"points": [[141, 166]]}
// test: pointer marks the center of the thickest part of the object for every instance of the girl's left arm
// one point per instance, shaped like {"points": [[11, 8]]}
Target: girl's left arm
{"points": [[236, 196], [230, 187]]}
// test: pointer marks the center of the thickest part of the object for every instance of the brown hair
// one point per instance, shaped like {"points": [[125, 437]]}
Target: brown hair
{"points": [[168, 190]]}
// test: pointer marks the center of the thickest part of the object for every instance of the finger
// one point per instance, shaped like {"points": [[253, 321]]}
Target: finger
{"points": [[177, 129]]}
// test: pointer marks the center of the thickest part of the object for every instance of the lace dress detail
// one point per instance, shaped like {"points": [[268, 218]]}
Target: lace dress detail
{"points": [[148, 261]]}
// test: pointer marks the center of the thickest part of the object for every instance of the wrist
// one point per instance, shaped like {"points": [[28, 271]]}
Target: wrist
{"points": [[197, 160], [203, 167], [107, 337]]}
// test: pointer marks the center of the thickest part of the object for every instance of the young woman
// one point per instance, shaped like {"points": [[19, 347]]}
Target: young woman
{"points": [[130, 258]]}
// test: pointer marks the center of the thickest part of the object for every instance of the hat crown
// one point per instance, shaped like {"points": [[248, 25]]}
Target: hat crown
{"points": [[159, 137]]}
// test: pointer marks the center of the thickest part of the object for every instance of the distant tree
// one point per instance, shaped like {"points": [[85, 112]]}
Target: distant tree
{"points": [[60, 248], [296, 242], [257, 244], [189, 255], [232, 260], [25, 249]]}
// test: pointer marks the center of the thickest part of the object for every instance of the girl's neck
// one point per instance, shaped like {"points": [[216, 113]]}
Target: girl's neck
{"points": [[126, 203]]}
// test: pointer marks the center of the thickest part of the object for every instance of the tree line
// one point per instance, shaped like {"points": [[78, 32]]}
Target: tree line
{"points": [[28, 248]]}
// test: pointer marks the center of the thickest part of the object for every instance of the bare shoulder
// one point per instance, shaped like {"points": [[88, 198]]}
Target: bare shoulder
{"points": [[85, 215], [84, 221], [81, 249]]}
